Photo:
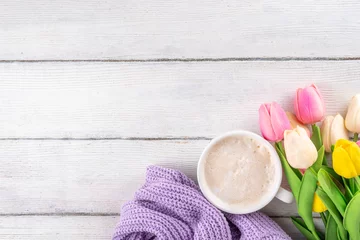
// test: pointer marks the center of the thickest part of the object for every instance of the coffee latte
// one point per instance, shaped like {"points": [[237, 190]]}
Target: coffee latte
{"points": [[239, 170]]}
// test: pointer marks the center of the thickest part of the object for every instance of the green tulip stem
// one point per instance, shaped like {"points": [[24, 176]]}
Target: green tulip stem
{"points": [[281, 147], [323, 218], [356, 137], [357, 182], [332, 148]]}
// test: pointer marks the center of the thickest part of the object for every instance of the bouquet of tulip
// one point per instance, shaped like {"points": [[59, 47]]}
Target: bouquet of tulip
{"points": [[332, 190]]}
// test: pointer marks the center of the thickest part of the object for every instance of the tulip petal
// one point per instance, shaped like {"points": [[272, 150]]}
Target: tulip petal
{"points": [[308, 97], [316, 90], [301, 153], [354, 153], [326, 132], [304, 106], [342, 163], [342, 143], [320, 97], [296, 105], [357, 121], [316, 105], [265, 123], [309, 105], [294, 122], [338, 130], [279, 120], [318, 205], [351, 120]]}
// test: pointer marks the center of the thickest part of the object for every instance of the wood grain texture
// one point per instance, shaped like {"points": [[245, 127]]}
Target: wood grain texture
{"points": [[112, 29], [81, 227], [57, 227], [151, 100], [96, 177]]}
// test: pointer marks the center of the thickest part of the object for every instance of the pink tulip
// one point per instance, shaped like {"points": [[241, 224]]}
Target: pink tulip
{"points": [[309, 105], [358, 143], [273, 121]]}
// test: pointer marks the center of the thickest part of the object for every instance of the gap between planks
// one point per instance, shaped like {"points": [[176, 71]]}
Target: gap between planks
{"points": [[99, 214], [92, 214], [111, 138], [231, 59]]}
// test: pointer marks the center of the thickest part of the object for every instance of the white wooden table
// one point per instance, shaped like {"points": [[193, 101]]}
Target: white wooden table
{"points": [[92, 92]]}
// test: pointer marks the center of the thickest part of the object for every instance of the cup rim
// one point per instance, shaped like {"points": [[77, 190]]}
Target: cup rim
{"points": [[213, 199]]}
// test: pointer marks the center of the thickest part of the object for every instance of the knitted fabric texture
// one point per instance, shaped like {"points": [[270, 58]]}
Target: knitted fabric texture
{"points": [[170, 206]]}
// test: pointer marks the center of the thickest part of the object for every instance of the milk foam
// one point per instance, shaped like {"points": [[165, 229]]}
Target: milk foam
{"points": [[239, 170]]}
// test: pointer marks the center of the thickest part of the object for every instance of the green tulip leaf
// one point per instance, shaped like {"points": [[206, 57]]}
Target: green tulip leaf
{"points": [[299, 224], [346, 182], [352, 217], [327, 214], [316, 139], [331, 229], [348, 193], [292, 174], [316, 136], [332, 173], [306, 199], [355, 184], [338, 235], [318, 163], [334, 213], [332, 190], [352, 185], [323, 218], [281, 147]]}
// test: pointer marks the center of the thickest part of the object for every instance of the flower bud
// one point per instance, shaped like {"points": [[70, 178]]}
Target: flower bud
{"points": [[333, 129], [309, 105], [300, 152]]}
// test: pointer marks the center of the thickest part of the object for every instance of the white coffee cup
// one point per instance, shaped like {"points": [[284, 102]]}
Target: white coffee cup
{"points": [[274, 191]]}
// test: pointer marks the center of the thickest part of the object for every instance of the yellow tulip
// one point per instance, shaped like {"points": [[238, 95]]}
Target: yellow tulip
{"points": [[318, 205], [346, 158]]}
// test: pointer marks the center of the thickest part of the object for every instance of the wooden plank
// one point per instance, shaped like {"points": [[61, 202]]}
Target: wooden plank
{"points": [[123, 30], [87, 176], [57, 227], [80, 227], [151, 100]]}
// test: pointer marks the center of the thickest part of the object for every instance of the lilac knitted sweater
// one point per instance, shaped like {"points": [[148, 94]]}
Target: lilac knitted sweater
{"points": [[170, 206]]}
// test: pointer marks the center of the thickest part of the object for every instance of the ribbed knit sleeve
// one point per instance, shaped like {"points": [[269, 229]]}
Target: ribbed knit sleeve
{"points": [[170, 206], [257, 226]]}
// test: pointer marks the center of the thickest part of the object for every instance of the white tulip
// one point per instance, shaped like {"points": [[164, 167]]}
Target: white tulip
{"points": [[333, 129], [325, 132], [352, 120], [300, 152]]}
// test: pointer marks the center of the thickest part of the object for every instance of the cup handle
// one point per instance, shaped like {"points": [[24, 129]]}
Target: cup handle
{"points": [[285, 195]]}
